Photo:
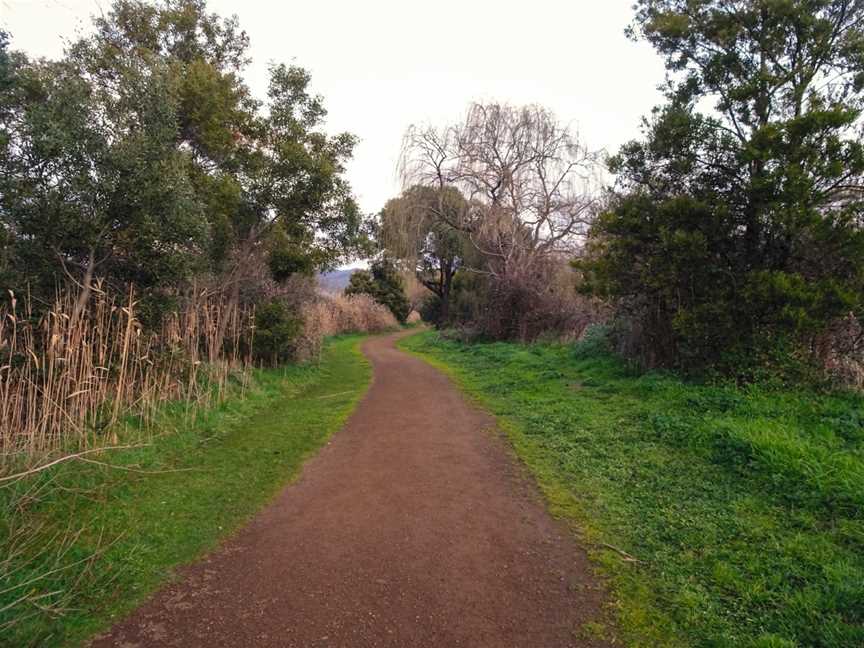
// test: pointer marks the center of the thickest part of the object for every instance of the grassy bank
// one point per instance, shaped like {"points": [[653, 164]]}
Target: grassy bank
{"points": [[736, 515], [83, 543]]}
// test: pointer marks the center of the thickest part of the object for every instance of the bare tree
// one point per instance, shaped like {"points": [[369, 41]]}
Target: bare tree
{"points": [[528, 180], [530, 189]]}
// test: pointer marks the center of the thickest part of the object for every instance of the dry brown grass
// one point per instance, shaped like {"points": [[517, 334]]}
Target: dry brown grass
{"points": [[329, 314], [67, 378]]}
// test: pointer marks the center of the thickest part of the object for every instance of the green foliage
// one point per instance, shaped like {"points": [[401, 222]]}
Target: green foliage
{"points": [[731, 231], [594, 342], [318, 211], [468, 307], [7, 82], [288, 261], [431, 310], [276, 330], [141, 157], [289, 256], [93, 185], [166, 503], [7, 86], [384, 284], [470, 297], [361, 283], [742, 505], [418, 228]]}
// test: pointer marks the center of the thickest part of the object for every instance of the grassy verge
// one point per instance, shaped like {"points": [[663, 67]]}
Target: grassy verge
{"points": [[743, 507], [97, 540]]}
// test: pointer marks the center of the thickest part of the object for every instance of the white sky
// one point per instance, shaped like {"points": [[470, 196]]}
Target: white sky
{"points": [[382, 65]]}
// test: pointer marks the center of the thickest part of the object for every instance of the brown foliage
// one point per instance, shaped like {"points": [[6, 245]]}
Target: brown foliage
{"points": [[840, 351], [329, 314], [537, 299]]}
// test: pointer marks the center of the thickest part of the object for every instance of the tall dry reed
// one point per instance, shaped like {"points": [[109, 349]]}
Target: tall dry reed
{"points": [[70, 375]]}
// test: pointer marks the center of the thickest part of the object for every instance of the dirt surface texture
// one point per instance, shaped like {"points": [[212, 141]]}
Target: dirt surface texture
{"points": [[413, 527]]}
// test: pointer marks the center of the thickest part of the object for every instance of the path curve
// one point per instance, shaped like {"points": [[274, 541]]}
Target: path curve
{"points": [[414, 527]]}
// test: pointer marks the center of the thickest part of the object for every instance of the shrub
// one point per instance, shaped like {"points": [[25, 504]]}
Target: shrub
{"points": [[276, 333], [840, 350], [384, 283], [734, 238], [536, 301], [594, 342]]}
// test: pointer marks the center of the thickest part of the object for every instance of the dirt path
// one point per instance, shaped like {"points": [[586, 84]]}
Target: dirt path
{"points": [[414, 527]]}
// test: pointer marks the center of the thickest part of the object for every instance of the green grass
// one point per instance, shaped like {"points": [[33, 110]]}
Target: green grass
{"points": [[116, 535], [744, 507]]}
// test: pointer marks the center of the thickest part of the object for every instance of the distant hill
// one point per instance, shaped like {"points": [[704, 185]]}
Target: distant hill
{"points": [[335, 281]]}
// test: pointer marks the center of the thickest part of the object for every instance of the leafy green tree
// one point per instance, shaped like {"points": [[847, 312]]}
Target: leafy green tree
{"points": [[295, 176], [361, 283], [95, 187], [142, 157], [733, 232], [416, 227], [384, 284], [7, 84], [201, 58], [274, 165], [7, 81]]}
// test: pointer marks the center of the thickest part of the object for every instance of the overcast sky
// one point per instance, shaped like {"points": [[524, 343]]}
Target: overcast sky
{"points": [[382, 65]]}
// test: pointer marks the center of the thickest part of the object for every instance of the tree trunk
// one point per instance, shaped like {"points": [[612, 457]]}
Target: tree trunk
{"points": [[445, 292], [86, 286]]}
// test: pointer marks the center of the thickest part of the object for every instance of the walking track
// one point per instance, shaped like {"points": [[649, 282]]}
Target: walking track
{"points": [[414, 527]]}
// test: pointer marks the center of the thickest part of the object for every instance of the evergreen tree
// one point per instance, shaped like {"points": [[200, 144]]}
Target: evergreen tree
{"points": [[738, 232], [384, 284]]}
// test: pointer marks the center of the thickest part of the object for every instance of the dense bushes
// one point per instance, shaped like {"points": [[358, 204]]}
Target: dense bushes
{"points": [[541, 302], [841, 351], [276, 333], [180, 219]]}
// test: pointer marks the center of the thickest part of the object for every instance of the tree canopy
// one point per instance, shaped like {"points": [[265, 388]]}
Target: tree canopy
{"points": [[736, 230], [142, 157], [416, 227]]}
